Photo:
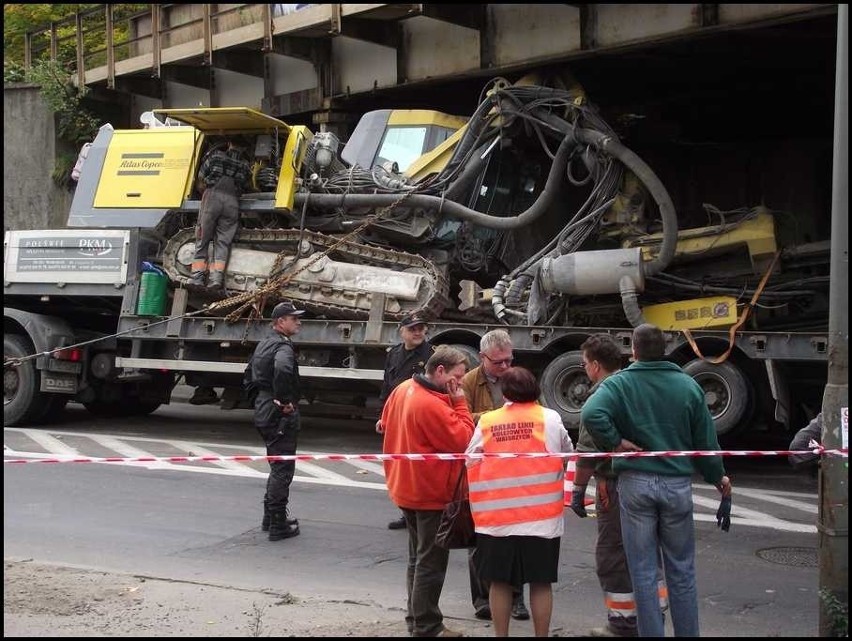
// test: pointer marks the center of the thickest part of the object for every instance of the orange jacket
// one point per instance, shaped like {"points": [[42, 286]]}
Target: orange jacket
{"points": [[516, 490], [419, 419]]}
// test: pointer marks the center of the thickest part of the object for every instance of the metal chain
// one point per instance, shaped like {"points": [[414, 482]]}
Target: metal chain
{"points": [[248, 299]]}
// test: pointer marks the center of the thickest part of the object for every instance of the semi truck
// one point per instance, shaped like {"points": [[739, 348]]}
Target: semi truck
{"points": [[530, 215]]}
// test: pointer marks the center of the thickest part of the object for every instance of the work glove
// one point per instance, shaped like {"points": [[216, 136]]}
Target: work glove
{"points": [[577, 501], [723, 514]]}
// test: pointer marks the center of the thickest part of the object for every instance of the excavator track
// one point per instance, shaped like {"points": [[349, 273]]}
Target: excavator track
{"points": [[318, 298]]}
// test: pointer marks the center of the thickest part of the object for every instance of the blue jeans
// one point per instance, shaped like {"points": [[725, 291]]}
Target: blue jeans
{"points": [[656, 513]]}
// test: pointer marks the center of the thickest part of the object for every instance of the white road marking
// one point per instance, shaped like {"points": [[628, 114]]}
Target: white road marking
{"points": [[50, 443], [315, 474]]}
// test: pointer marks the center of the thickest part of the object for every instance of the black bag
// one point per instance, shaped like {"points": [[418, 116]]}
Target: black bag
{"points": [[456, 529]]}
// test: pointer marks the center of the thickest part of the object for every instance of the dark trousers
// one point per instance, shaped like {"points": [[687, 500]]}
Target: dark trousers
{"points": [[480, 588], [427, 568], [280, 434], [611, 561], [217, 221]]}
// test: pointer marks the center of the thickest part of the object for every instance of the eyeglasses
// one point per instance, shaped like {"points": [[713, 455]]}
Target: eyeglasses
{"points": [[506, 362]]}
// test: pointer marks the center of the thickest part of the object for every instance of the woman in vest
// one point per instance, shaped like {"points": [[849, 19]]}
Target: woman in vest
{"points": [[517, 503]]}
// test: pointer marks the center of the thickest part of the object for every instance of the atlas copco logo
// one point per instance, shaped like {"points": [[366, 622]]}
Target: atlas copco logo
{"points": [[141, 164], [94, 246]]}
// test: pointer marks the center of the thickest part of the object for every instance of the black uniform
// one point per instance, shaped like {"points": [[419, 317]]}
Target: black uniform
{"points": [[275, 376], [401, 364]]}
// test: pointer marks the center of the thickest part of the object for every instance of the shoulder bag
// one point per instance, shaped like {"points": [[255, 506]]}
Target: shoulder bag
{"points": [[456, 529]]}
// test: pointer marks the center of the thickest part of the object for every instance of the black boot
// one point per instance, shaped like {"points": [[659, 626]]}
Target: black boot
{"points": [[280, 527], [264, 524]]}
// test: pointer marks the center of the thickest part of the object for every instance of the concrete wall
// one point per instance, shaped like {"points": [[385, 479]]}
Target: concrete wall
{"points": [[31, 200]]}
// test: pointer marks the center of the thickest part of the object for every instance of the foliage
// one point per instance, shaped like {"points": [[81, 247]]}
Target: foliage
{"points": [[76, 124], [838, 613], [20, 19]]}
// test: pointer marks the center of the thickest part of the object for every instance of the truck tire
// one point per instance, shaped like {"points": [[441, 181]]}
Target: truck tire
{"points": [[54, 405], [726, 391], [119, 409], [471, 353], [565, 387], [22, 400]]}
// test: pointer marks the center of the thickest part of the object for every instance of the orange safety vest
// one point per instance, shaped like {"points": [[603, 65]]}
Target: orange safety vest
{"points": [[515, 490]]}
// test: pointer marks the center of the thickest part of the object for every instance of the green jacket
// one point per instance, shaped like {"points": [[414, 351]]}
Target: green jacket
{"points": [[659, 407]]}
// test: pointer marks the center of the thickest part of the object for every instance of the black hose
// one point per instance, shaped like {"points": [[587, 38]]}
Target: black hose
{"points": [[452, 208]]}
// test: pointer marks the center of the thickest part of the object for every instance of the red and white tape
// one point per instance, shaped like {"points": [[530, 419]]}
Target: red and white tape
{"points": [[412, 457]]}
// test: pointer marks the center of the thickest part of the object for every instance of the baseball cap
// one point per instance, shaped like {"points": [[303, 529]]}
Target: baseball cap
{"points": [[286, 309], [415, 318]]}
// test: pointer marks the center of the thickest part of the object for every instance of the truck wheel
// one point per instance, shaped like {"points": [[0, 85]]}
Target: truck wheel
{"points": [[726, 392], [22, 400], [471, 353], [116, 409], [565, 387], [143, 408], [53, 407]]}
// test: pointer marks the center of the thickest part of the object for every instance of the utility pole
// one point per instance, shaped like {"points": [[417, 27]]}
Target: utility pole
{"points": [[833, 522]]}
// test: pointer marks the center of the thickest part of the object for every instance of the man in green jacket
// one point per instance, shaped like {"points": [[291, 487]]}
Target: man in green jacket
{"points": [[653, 405]]}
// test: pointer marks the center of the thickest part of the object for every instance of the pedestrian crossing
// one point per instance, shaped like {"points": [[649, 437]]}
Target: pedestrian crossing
{"points": [[754, 507]]}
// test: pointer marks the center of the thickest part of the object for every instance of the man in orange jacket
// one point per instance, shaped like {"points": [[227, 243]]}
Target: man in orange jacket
{"points": [[424, 415]]}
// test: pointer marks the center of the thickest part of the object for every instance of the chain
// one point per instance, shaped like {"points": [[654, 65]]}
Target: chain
{"points": [[249, 299]]}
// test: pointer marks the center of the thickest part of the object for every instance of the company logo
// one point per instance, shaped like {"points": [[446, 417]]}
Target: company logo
{"points": [[91, 247], [141, 164]]}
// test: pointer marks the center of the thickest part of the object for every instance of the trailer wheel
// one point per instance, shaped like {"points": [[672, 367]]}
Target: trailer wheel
{"points": [[54, 405], [726, 392], [22, 400], [118, 409], [565, 387], [471, 353]]}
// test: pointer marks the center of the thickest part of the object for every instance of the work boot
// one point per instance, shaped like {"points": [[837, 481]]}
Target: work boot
{"points": [[280, 528], [216, 280], [203, 396], [264, 524], [197, 279]]}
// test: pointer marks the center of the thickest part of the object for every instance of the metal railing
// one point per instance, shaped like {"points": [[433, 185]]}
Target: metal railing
{"points": [[135, 35]]}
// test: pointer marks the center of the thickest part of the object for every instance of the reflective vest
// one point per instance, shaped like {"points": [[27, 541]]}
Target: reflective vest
{"points": [[515, 490]]}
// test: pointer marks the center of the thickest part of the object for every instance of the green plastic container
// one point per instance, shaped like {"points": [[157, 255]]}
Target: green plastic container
{"points": [[152, 294]]}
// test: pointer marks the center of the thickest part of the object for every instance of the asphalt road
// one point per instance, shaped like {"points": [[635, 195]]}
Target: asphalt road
{"points": [[200, 522]]}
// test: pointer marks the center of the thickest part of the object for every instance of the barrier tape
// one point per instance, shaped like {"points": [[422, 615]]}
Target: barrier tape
{"points": [[417, 457]]}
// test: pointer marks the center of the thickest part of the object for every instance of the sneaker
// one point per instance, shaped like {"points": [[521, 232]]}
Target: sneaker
{"points": [[398, 524], [447, 632], [483, 613], [520, 612]]}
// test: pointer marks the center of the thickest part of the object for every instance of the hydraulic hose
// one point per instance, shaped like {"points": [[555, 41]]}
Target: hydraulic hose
{"points": [[630, 301], [452, 208], [643, 172]]}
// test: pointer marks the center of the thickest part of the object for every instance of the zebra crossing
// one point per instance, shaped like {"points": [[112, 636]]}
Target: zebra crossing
{"points": [[755, 507]]}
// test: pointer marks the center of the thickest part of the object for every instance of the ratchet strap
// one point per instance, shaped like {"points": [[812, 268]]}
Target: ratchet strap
{"points": [[742, 319]]}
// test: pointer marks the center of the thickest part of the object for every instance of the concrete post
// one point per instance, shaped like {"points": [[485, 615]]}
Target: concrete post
{"points": [[833, 523]]}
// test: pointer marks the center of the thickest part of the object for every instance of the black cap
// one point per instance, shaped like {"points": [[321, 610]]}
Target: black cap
{"points": [[286, 309], [415, 318]]}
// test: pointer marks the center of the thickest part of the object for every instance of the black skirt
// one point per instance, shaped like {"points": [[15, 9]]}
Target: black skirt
{"points": [[517, 559]]}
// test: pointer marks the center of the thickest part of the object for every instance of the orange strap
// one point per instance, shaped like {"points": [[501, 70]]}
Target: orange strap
{"points": [[742, 319]]}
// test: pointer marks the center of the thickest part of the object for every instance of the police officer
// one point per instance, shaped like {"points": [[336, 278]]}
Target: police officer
{"points": [[403, 361], [274, 374]]}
